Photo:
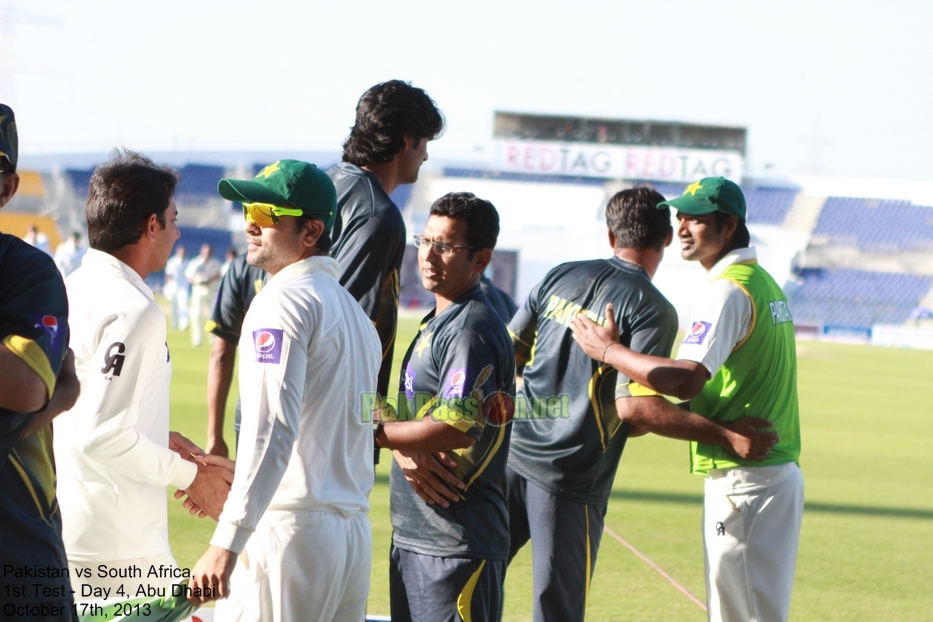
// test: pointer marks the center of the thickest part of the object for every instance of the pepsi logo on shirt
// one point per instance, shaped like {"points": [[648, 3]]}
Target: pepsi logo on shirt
{"points": [[267, 343], [698, 333]]}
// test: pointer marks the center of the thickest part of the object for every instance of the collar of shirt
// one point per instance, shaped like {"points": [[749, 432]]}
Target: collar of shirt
{"points": [[629, 265], [105, 262], [317, 263], [737, 256]]}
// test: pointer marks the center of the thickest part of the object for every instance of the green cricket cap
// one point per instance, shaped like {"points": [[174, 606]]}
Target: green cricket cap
{"points": [[8, 139], [287, 183], [710, 194]]}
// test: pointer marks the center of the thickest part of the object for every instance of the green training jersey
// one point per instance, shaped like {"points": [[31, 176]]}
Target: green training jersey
{"points": [[758, 379]]}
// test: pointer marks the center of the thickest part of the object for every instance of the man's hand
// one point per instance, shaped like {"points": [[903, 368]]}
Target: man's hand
{"points": [[183, 446], [209, 490], [746, 441], [427, 473], [192, 507], [211, 575], [593, 338]]}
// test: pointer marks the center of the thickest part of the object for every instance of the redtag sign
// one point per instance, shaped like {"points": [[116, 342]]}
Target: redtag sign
{"points": [[615, 161]]}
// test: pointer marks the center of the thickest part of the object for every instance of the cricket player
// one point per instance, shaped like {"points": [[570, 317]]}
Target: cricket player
{"points": [[573, 414], [114, 453], [386, 147], [739, 359], [447, 561], [296, 517], [37, 383]]}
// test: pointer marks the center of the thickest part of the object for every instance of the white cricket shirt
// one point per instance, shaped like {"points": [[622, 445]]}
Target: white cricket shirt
{"points": [[111, 449], [720, 316], [308, 354]]}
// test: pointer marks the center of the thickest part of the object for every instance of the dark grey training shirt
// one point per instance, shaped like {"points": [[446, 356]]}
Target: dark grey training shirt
{"points": [[369, 245], [457, 361], [567, 437]]}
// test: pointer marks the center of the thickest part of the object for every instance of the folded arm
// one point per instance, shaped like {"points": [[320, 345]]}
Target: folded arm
{"points": [[656, 414]]}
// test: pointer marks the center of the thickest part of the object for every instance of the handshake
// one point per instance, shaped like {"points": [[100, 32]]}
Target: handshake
{"points": [[206, 495]]}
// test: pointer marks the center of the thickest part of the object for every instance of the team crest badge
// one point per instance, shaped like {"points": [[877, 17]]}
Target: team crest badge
{"points": [[267, 343], [698, 333]]}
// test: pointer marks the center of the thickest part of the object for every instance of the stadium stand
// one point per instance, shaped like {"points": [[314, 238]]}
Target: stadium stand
{"points": [[876, 225], [768, 206], [868, 261], [79, 179], [856, 298], [199, 181]]}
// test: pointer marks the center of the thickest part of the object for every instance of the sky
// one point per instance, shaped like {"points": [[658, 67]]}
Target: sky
{"points": [[828, 88]]}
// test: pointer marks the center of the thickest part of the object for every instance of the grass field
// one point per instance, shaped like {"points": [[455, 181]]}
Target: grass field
{"points": [[866, 550]]}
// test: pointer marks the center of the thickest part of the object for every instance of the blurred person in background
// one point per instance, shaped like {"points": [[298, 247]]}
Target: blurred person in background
{"points": [[37, 239], [69, 254], [203, 274], [229, 256], [176, 287]]}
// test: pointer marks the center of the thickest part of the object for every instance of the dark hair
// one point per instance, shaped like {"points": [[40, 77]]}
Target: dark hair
{"points": [[123, 193], [741, 238], [386, 114], [481, 217], [636, 221]]}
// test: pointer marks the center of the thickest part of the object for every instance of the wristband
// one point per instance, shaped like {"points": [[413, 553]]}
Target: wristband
{"points": [[607, 349]]}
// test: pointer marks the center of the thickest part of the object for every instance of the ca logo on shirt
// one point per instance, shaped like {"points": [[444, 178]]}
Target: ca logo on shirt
{"points": [[267, 343], [114, 358]]}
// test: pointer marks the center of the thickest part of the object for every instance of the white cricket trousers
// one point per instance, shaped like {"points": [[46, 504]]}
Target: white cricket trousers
{"points": [[306, 566], [751, 528]]}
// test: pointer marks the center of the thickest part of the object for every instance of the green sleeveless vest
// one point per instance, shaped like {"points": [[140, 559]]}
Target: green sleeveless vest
{"points": [[759, 379]]}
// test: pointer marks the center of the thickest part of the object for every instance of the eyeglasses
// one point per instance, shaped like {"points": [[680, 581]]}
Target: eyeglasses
{"points": [[266, 214], [441, 248]]}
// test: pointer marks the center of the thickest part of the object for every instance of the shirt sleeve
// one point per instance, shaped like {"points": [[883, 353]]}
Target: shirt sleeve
{"points": [[368, 253], [33, 327], [273, 371], [34, 316], [230, 306], [720, 318], [651, 333], [109, 404], [524, 327], [467, 373]]}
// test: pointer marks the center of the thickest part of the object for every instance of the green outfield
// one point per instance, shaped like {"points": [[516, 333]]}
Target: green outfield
{"points": [[866, 550]]}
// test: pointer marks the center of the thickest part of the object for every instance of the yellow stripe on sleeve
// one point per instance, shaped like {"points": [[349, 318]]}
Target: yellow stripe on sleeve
{"points": [[637, 390], [34, 356]]}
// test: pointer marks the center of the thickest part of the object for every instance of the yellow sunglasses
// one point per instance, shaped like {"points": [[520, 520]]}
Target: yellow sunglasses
{"points": [[266, 214]]}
